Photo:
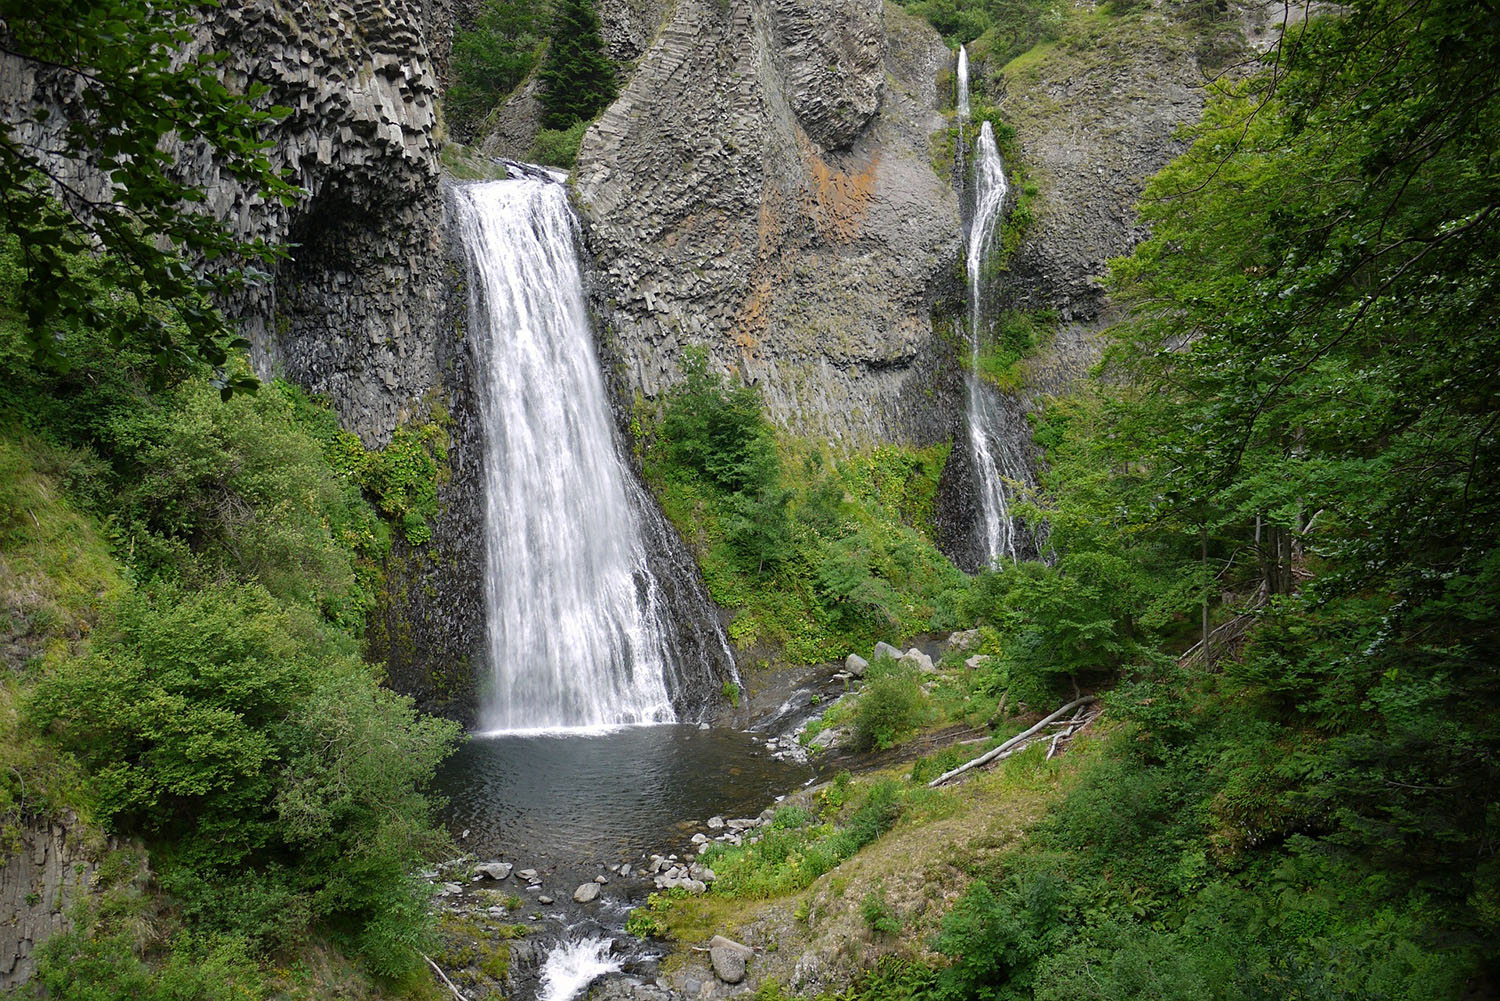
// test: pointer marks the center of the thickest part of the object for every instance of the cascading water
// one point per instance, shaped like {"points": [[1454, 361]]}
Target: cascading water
{"points": [[996, 430], [572, 966], [579, 635]]}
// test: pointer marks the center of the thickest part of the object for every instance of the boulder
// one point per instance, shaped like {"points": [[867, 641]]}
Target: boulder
{"points": [[977, 661], [492, 870], [585, 893], [887, 651], [528, 874], [855, 665], [714, 823], [919, 661], [963, 641], [729, 959]]}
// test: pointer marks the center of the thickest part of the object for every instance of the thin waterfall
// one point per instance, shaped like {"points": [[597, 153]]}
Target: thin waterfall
{"points": [[997, 431], [963, 86], [963, 114], [579, 635]]}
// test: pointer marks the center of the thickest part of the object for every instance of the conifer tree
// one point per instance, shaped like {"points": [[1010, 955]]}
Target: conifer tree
{"points": [[578, 78]]}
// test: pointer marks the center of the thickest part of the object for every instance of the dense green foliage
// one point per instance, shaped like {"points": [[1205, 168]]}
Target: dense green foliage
{"points": [[819, 557], [1293, 445], [559, 147], [276, 782], [491, 58], [800, 846], [891, 704], [578, 79], [134, 90], [1002, 29], [202, 689]]}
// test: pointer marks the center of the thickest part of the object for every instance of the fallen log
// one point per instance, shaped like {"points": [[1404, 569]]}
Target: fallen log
{"points": [[439, 971], [991, 755]]}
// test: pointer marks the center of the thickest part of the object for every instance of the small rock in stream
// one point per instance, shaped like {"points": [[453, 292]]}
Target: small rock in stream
{"points": [[586, 893]]}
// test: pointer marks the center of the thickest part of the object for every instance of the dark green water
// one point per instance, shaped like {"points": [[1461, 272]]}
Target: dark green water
{"points": [[575, 803]]}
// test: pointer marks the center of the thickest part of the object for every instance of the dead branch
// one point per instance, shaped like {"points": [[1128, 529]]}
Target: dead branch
{"points": [[993, 755], [439, 971]]}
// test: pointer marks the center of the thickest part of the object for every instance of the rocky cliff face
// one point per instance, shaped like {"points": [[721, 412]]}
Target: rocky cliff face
{"points": [[763, 187], [49, 872], [350, 312], [1096, 115], [353, 312]]}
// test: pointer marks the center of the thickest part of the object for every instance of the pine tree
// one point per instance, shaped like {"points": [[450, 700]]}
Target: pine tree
{"points": [[578, 78]]}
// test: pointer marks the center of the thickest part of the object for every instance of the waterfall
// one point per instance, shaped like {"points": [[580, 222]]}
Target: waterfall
{"points": [[997, 429], [963, 86], [579, 633]]}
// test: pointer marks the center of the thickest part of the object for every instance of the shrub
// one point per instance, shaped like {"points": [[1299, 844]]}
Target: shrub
{"points": [[559, 147], [878, 915], [891, 705], [279, 782]]}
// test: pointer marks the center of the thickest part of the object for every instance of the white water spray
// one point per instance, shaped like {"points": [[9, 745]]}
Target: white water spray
{"points": [[578, 635], [572, 966]]}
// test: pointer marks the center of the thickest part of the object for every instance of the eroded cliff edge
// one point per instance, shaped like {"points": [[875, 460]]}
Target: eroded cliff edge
{"points": [[763, 187]]}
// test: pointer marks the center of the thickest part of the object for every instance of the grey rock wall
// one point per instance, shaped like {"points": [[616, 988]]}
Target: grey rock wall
{"points": [[350, 313], [353, 311], [50, 870], [763, 188]]}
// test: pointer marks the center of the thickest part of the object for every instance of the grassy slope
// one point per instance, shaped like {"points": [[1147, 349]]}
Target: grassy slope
{"points": [[819, 938]]}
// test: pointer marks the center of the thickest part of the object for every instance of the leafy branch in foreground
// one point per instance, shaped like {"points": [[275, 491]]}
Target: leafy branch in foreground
{"points": [[95, 164]]}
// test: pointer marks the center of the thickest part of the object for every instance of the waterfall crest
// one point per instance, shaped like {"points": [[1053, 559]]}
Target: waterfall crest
{"points": [[579, 635], [997, 430]]}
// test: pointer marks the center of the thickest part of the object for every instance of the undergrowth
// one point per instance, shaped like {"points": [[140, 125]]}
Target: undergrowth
{"points": [[816, 554]]}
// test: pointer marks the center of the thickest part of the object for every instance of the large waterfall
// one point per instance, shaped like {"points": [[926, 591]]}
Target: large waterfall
{"points": [[579, 631], [997, 431]]}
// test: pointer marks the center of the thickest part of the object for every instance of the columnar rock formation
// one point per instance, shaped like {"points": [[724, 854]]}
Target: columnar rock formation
{"points": [[763, 187], [352, 310], [49, 871]]}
